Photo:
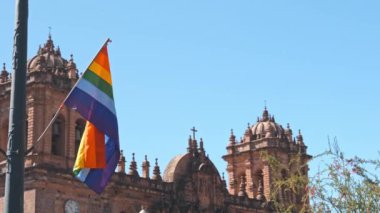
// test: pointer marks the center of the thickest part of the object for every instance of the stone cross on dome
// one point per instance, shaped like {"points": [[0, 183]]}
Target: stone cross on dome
{"points": [[194, 131]]}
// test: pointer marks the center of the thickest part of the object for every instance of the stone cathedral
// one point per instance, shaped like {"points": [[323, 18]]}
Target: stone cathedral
{"points": [[189, 183]]}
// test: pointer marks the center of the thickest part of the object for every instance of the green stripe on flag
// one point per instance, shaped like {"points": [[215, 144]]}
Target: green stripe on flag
{"points": [[98, 82]]}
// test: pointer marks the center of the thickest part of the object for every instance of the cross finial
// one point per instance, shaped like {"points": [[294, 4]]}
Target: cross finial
{"points": [[49, 32], [194, 131], [265, 104]]}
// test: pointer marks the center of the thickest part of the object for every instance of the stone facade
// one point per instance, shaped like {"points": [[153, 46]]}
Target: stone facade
{"points": [[190, 182]]}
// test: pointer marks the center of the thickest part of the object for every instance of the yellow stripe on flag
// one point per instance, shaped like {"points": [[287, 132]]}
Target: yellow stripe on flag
{"points": [[101, 72]]}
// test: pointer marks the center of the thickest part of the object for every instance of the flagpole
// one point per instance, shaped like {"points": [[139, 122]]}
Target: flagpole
{"points": [[62, 104], [14, 177]]}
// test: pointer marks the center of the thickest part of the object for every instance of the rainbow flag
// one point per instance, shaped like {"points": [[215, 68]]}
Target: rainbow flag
{"points": [[92, 97]]}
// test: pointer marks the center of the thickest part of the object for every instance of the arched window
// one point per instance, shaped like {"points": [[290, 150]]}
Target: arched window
{"points": [[79, 128], [284, 192], [260, 185], [58, 137]]}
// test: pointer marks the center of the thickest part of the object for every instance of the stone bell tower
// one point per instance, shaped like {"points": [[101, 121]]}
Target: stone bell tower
{"points": [[249, 173], [49, 79]]}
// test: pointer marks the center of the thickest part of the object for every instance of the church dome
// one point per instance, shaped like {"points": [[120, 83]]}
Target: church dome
{"points": [[185, 164], [176, 166], [267, 127], [48, 58]]}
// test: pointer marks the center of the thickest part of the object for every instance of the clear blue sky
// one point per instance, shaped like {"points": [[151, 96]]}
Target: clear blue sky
{"points": [[211, 64]]}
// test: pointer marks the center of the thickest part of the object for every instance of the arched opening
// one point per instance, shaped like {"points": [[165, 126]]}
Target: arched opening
{"points": [[58, 137], [259, 182], [79, 128], [283, 192], [286, 194]]}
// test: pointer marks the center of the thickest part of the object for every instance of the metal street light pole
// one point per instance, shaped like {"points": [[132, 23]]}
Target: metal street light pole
{"points": [[14, 180]]}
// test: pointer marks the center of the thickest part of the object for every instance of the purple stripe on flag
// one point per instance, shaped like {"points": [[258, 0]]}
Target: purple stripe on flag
{"points": [[97, 179], [94, 112]]}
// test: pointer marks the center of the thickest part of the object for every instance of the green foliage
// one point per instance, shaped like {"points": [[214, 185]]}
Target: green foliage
{"points": [[340, 185], [289, 182], [346, 184]]}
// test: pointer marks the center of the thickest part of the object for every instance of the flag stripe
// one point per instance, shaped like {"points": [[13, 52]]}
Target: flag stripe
{"points": [[82, 174], [97, 94], [98, 178], [111, 146], [94, 112], [102, 59], [94, 153], [98, 82], [101, 72]]}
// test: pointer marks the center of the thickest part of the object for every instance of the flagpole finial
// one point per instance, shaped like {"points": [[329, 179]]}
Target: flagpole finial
{"points": [[108, 41]]}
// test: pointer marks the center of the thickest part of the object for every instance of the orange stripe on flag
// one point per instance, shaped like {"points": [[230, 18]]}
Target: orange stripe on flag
{"points": [[94, 147], [102, 59]]}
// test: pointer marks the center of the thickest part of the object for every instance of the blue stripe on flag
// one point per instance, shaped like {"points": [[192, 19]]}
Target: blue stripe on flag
{"points": [[96, 93], [93, 111], [82, 175]]}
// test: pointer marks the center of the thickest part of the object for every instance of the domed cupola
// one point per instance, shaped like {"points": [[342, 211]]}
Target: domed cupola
{"points": [[48, 58], [48, 67], [266, 127]]}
